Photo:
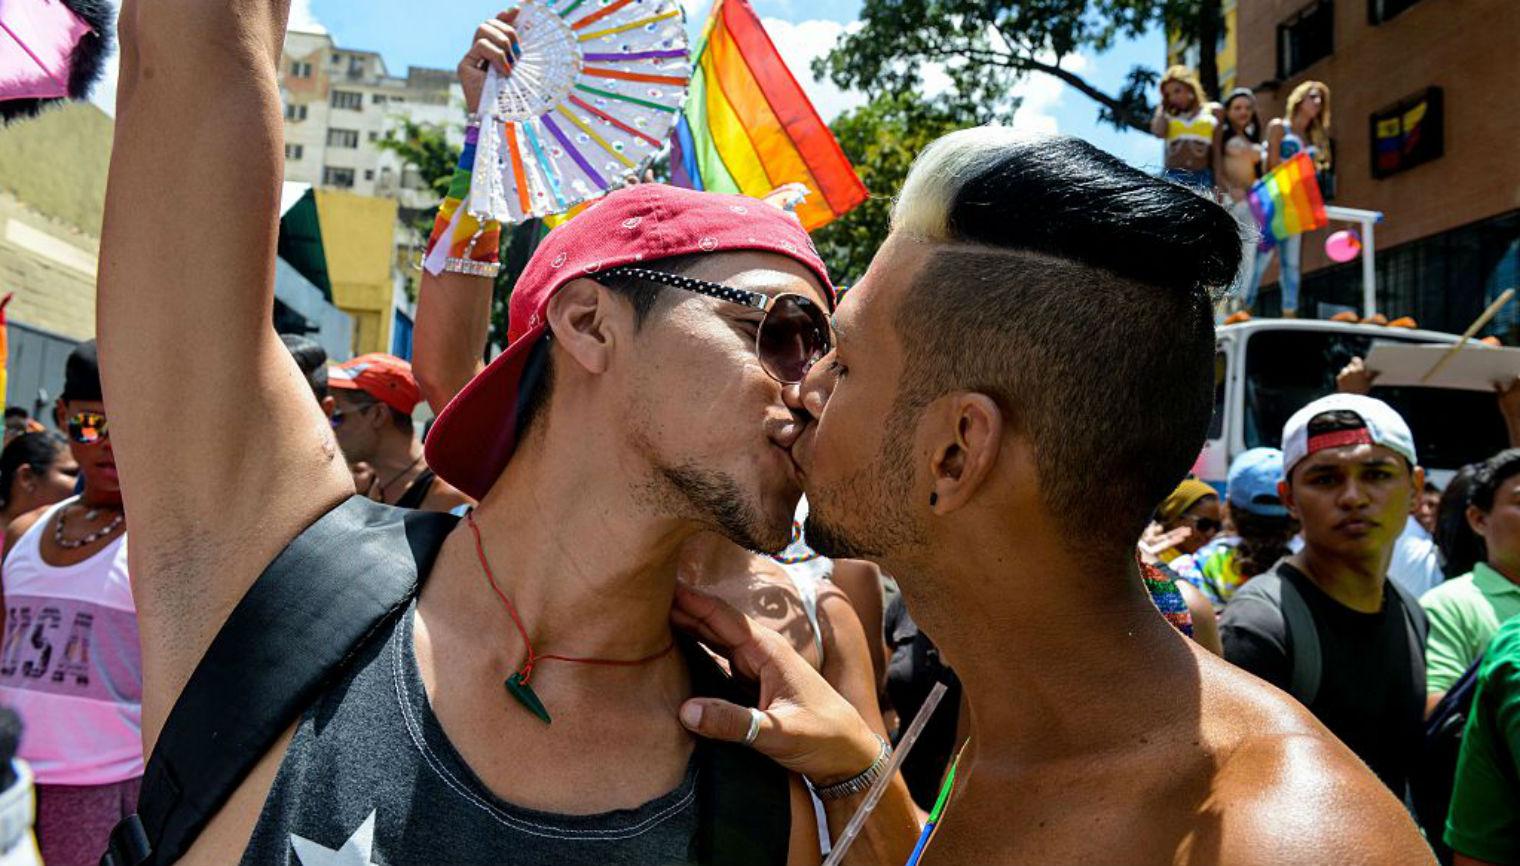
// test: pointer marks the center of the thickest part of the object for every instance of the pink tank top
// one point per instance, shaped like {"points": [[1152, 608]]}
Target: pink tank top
{"points": [[71, 664]]}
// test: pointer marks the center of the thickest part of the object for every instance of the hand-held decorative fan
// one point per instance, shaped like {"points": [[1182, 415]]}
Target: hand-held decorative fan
{"points": [[590, 102]]}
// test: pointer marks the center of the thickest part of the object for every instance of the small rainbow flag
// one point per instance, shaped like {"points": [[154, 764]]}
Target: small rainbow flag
{"points": [[1287, 201], [748, 128]]}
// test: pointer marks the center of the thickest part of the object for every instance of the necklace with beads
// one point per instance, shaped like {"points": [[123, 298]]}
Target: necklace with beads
{"points": [[91, 538]]}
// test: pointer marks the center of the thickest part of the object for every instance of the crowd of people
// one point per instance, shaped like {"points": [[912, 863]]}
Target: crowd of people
{"points": [[1222, 148], [586, 615]]}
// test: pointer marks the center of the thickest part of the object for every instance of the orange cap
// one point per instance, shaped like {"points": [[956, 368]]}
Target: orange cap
{"points": [[384, 377]]}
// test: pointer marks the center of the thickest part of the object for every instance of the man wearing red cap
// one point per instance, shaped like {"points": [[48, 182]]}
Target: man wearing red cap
{"points": [[524, 707], [375, 396]]}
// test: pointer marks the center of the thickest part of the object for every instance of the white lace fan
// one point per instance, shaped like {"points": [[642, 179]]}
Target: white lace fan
{"points": [[591, 101]]}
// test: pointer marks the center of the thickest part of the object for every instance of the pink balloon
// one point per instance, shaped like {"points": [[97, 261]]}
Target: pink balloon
{"points": [[1343, 246]]}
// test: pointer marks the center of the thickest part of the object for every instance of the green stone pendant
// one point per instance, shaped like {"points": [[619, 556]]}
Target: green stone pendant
{"points": [[526, 696]]}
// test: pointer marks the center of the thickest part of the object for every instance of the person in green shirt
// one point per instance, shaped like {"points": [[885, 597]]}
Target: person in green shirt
{"points": [[1483, 825], [1466, 611]]}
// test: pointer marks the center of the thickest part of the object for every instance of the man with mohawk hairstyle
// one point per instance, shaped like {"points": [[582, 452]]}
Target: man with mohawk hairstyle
{"points": [[1024, 372]]}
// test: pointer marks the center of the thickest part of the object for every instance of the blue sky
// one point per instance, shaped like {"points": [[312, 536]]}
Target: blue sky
{"points": [[406, 35]]}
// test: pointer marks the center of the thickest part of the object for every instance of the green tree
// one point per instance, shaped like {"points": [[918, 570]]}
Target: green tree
{"points": [[881, 138], [986, 46]]}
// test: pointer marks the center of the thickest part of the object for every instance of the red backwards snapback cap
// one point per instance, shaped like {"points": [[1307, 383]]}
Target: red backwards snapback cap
{"points": [[474, 437]]}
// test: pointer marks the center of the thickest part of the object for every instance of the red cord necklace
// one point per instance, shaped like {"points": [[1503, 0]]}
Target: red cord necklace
{"points": [[518, 684]]}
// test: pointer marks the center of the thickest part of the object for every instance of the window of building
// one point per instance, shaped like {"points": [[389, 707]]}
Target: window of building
{"points": [[1379, 11], [337, 59], [377, 98], [1306, 38], [339, 177], [294, 152], [295, 112], [348, 99], [300, 69], [374, 136], [348, 138], [369, 174]]}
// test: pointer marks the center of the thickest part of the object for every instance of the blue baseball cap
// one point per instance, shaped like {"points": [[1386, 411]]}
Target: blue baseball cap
{"points": [[1252, 482]]}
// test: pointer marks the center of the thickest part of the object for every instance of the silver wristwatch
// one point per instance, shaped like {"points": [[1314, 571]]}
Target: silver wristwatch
{"points": [[861, 782]]}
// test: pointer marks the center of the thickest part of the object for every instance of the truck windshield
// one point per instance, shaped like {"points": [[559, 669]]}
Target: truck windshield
{"points": [[1286, 369]]}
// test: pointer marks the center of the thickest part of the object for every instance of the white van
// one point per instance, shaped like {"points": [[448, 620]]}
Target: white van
{"points": [[1267, 369]]}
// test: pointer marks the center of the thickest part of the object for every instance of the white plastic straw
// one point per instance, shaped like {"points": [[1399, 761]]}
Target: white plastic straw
{"points": [[852, 829]]}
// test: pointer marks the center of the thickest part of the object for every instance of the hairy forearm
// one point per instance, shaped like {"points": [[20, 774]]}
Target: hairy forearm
{"points": [[453, 320], [888, 836]]}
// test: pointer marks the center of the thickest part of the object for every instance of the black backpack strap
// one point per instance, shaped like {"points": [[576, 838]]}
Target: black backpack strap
{"points": [[1302, 636], [744, 811], [1416, 628], [315, 606]]}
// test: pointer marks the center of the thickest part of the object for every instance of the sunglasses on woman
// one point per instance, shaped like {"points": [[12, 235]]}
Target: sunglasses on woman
{"points": [[1206, 524], [87, 428], [792, 337]]}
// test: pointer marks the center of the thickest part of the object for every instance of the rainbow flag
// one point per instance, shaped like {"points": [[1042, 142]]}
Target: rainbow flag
{"points": [[1287, 201], [748, 128]]}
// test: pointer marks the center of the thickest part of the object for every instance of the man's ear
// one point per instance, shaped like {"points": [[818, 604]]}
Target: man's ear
{"points": [[1477, 520], [329, 405], [580, 316], [970, 435], [60, 415], [1416, 487]]}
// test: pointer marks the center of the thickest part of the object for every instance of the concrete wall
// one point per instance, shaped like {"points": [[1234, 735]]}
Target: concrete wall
{"points": [[1469, 48], [52, 193], [57, 163], [50, 266]]}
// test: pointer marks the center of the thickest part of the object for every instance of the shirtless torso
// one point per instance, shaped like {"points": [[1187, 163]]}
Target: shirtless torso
{"points": [[1231, 774], [1238, 166]]}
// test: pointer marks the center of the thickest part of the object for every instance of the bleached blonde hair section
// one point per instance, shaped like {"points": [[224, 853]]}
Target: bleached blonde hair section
{"points": [[938, 175]]}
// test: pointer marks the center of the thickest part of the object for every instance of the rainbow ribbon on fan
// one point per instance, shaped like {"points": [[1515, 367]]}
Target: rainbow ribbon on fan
{"points": [[457, 234], [748, 127]]}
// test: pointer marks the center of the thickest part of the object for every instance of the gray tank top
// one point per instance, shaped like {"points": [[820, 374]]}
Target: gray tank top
{"points": [[370, 778]]}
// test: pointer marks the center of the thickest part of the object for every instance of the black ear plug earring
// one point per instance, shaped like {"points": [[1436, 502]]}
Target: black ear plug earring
{"points": [[933, 499]]}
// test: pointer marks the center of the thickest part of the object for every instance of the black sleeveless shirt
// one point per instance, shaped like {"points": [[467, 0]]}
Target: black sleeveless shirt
{"points": [[416, 492], [370, 777]]}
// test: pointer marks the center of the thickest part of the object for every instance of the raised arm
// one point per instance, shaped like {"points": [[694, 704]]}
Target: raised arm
{"points": [[448, 345], [454, 310], [224, 456]]}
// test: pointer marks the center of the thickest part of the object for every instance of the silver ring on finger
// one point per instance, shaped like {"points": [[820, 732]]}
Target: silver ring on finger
{"points": [[754, 726]]}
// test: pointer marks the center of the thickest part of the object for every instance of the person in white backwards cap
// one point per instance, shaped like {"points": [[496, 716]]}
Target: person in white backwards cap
{"points": [[1326, 624]]}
